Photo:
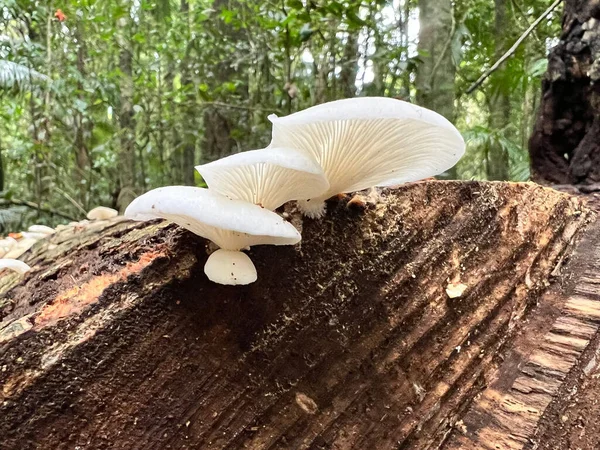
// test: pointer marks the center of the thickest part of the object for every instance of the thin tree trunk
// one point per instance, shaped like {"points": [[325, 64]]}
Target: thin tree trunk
{"points": [[349, 66], [435, 76], [1, 170], [565, 144], [126, 157], [82, 157], [189, 112], [217, 141], [497, 156]]}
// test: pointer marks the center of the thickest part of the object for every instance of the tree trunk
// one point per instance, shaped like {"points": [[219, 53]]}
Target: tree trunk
{"points": [[1, 169], [386, 328], [349, 65], [565, 144], [435, 75], [126, 157], [497, 156], [216, 142], [189, 130], [82, 156]]}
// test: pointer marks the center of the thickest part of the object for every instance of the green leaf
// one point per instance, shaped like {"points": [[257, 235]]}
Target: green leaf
{"points": [[296, 4], [306, 33]]}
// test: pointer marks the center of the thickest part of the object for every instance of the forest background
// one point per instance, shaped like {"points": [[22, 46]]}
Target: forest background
{"points": [[101, 101]]}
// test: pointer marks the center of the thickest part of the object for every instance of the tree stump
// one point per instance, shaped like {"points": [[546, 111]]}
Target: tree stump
{"points": [[424, 321]]}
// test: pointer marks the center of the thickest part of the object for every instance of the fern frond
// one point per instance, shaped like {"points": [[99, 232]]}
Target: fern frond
{"points": [[15, 75]]}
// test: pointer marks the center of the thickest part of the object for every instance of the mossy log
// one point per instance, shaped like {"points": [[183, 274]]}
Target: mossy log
{"points": [[405, 324]]}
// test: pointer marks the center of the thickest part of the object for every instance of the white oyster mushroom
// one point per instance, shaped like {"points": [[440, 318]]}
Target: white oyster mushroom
{"points": [[369, 141], [232, 225], [268, 177], [102, 213], [15, 265], [33, 235], [6, 244], [41, 229], [20, 247]]}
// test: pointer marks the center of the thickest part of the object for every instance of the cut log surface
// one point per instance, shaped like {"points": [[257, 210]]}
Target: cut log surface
{"points": [[424, 321]]}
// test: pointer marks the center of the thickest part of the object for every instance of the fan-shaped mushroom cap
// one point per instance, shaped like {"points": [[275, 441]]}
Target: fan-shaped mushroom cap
{"points": [[15, 265], [268, 177], [369, 141], [102, 213], [33, 235], [6, 244], [230, 267], [20, 247], [41, 229], [231, 224]]}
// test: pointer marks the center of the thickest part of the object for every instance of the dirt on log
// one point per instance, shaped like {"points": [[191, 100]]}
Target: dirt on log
{"points": [[565, 144], [405, 324]]}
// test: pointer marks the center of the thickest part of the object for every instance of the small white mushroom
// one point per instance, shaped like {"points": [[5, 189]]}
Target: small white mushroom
{"points": [[33, 235], [6, 244], [102, 213], [268, 177], [369, 141], [15, 265], [20, 247], [41, 229], [231, 224]]}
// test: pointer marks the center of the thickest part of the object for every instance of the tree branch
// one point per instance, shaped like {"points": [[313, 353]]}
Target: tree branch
{"points": [[510, 51], [242, 107], [37, 207]]}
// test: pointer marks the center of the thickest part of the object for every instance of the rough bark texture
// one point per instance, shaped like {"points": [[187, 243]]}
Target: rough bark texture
{"points": [[117, 340], [565, 145]]}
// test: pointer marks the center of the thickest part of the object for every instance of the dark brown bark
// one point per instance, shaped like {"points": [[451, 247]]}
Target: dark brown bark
{"points": [[565, 144], [117, 340]]}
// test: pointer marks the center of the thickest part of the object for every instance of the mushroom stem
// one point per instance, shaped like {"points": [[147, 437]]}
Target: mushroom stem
{"points": [[230, 267], [313, 208]]}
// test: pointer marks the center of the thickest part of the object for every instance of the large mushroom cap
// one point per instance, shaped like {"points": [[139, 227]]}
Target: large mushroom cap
{"points": [[231, 224], [371, 141], [268, 177]]}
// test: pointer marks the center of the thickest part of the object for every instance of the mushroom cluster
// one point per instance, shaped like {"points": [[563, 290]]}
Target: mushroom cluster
{"points": [[16, 244], [337, 147]]}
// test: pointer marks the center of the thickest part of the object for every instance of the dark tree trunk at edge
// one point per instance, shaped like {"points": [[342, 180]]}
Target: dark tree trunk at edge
{"points": [[565, 145]]}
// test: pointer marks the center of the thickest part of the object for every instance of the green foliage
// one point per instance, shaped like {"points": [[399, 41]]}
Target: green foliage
{"points": [[61, 83]]}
